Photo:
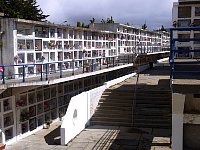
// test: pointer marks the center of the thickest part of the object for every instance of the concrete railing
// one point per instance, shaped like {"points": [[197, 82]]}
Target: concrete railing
{"points": [[81, 108]]}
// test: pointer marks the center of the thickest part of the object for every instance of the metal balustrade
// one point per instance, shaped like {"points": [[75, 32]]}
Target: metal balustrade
{"points": [[43, 71], [180, 66]]}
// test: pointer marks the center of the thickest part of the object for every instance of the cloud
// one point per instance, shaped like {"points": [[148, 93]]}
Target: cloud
{"points": [[154, 12]]}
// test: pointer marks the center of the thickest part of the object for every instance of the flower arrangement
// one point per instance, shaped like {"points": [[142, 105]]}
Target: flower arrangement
{"points": [[25, 115], [20, 102]]}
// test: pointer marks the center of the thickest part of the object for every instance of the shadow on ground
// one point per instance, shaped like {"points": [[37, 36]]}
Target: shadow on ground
{"points": [[53, 138]]}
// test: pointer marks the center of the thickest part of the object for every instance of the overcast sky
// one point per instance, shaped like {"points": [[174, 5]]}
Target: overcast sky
{"points": [[155, 12]]}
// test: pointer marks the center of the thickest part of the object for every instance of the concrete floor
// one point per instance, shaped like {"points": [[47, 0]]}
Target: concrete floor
{"points": [[97, 137]]}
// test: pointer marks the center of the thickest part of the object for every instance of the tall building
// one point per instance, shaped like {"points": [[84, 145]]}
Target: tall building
{"points": [[32, 42], [186, 13], [185, 44]]}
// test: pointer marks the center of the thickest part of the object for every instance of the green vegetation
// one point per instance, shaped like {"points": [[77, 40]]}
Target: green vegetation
{"points": [[163, 29], [144, 26], [92, 21], [24, 9], [78, 24]]}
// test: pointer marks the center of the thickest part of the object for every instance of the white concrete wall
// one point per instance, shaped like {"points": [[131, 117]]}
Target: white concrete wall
{"points": [[84, 104], [76, 117], [178, 101], [94, 96]]}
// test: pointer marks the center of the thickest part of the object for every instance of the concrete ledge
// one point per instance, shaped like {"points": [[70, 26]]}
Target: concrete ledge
{"points": [[163, 60]]}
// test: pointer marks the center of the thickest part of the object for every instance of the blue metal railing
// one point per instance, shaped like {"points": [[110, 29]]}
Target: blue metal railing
{"points": [[42, 71], [177, 61], [45, 71]]}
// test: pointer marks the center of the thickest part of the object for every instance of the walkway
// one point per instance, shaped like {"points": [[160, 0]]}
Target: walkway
{"points": [[108, 137]]}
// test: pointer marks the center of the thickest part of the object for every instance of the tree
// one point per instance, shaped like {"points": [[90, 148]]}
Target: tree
{"points": [[83, 25], [144, 26], [78, 24], [110, 20], [92, 21], [163, 29], [103, 21], [24, 9]]}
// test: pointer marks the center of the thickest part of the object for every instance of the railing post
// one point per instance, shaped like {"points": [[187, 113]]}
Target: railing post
{"points": [[92, 67], [132, 59], [100, 63], [83, 67], [107, 62], [128, 59], [23, 76], [118, 60], [113, 61], [3, 74], [41, 72], [73, 71], [46, 67], [60, 69], [171, 54]]}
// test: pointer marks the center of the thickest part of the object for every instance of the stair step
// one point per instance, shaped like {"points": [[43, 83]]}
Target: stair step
{"points": [[113, 119], [129, 115], [136, 120], [153, 106], [156, 102], [120, 108], [129, 124], [144, 125], [139, 90], [122, 104], [123, 98], [126, 124]]}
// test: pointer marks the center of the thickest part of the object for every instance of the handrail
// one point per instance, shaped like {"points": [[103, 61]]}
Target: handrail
{"points": [[135, 90], [134, 98], [41, 71], [45, 70]]}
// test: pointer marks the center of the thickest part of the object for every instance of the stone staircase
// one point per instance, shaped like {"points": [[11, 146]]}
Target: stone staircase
{"points": [[152, 109]]}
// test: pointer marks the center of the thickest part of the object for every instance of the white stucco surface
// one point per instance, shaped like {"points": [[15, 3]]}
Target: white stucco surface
{"points": [[84, 106], [178, 101]]}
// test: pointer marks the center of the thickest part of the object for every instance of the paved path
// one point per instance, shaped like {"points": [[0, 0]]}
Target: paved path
{"points": [[108, 137]]}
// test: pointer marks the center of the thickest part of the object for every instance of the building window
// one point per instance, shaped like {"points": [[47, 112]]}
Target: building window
{"points": [[52, 32], [184, 23], [183, 36], [9, 133], [8, 120], [21, 44], [30, 58], [38, 57], [184, 12], [21, 58], [38, 45], [197, 11], [196, 22], [29, 44], [197, 36]]}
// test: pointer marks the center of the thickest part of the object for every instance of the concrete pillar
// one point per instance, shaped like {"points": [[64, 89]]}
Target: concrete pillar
{"points": [[178, 101]]}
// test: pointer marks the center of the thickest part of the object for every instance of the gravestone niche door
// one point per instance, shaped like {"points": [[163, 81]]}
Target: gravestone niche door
{"points": [[7, 120]]}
